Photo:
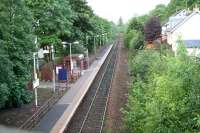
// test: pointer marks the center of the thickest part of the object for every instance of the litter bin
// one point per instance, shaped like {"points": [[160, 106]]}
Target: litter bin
{"points": [[62, 74]]}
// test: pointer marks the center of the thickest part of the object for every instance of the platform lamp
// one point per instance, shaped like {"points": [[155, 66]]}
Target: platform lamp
{"points": [[103, 39], [70, 53], [95, 45], [53, 70], [106, 37], [35, 82], [87, 51]]}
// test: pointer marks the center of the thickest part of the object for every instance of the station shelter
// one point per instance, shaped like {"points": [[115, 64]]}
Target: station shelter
{"points": [[77, 66]]}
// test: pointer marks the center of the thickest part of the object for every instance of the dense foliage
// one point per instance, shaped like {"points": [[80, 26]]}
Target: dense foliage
{"points": [[54, 17], [164, 95], [134, 36], [52, 21], [16, 47]]}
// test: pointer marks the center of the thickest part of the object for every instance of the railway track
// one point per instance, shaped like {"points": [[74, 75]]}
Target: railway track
{"points": [[89, 118]]}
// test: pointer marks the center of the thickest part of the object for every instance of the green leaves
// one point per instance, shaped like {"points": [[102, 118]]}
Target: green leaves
{"points": [[16, 45], [55, 18], [164, 95], [134, 37], [4, 93]]}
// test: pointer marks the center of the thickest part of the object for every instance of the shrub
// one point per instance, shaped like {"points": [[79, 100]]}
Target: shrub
{"points": [[164, 96], [4, 92], [134, 40]]}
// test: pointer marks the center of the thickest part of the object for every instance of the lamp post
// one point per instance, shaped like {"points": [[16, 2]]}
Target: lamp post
{"points": [[95, 46], [35, 85], [100, 40], [53, 70], [106, 37], [35, 82], [70, 53], [87, 52], [103, 39]]}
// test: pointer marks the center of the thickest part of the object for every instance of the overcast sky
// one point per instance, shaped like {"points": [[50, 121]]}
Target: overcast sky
{"points": [[113, 9]]}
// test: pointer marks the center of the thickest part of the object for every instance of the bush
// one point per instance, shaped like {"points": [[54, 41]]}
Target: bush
{"points": [[134, 40], [27, 97], [164, 96], [141, 64], [4, 92]]}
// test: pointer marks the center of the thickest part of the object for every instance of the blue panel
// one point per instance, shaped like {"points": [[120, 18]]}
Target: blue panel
{"points": [[192, 43], [62, 74]]}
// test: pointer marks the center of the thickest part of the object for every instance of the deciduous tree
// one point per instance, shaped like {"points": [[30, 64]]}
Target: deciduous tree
{"points": [[152, 29], [16, 45]]}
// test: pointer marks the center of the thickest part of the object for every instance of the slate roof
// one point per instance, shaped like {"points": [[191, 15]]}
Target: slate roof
{"points": [[192, 43], [185, 20]]}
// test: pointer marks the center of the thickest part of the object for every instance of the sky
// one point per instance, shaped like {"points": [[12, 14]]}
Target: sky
{"points": [[114, 9]]}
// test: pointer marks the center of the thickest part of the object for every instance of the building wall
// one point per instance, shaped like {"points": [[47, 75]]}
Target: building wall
{"points": [[188, 31], [194, 51]]}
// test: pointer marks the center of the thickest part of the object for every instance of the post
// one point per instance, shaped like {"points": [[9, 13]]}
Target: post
{"points": [[106, 37], [36, 101], [34, 79], [53, 70], [100, 40], [87, 52], [71, 62], [34, 66], [88, 63], [95, 46]]}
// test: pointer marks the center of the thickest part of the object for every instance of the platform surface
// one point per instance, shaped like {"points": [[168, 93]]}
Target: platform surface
{"points": [[61, 113]]}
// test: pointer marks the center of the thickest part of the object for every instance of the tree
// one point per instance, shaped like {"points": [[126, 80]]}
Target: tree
{"points": [[120, 22], [82, 21], [135, 24], [16, 52], [134, 40], [134, 37], [152, 29], [55, 20], [160, 12]]}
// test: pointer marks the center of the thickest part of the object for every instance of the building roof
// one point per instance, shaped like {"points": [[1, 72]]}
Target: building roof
{"points": [[185, 20], [192, 43], [176, 18]]}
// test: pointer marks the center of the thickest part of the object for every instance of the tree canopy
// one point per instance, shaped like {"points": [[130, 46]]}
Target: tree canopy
{"points": [[16, 51], [152, 29]]}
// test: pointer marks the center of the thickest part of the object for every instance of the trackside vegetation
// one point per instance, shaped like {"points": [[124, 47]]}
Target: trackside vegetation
{"points": [[164, 91], [164, 94]]}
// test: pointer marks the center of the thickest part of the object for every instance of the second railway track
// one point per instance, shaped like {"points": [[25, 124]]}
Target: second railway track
{"points": [[89, 117]]}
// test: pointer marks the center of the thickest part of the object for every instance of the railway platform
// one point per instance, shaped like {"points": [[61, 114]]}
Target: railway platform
{"points": [[56, 120]]}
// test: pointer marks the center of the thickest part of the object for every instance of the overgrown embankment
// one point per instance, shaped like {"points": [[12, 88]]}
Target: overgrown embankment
{"points": [[164, 94]]}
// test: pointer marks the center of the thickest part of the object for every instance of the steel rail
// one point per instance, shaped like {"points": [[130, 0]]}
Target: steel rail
{"points": [[107, 100], [112, 56]]}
